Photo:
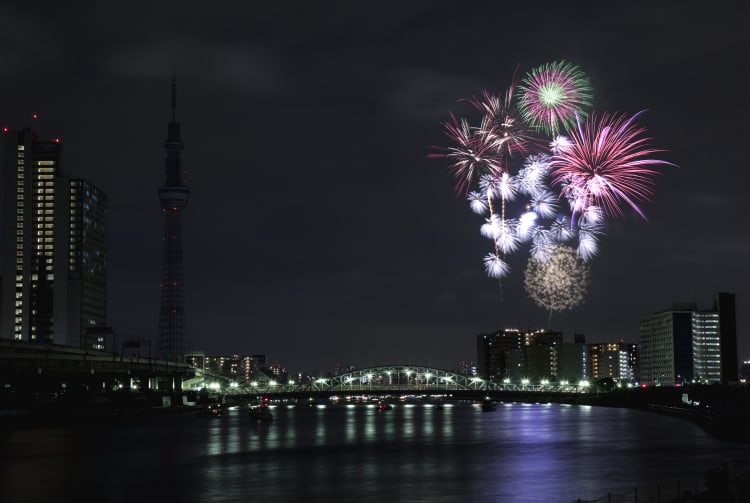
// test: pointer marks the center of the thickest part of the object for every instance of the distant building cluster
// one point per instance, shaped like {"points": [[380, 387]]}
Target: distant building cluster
{"points": [[542, 355], [243, 369], [676, 346]]}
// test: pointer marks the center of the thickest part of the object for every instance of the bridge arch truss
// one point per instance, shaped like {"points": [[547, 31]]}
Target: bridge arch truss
{"points": [[398, 377]]}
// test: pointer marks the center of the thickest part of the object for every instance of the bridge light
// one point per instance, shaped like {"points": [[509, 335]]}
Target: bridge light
{"points": [[583, 384], [272, 383], [254, 384], [564, 383], [506, 380], [524, 381], [291, 382], [545, 382]]}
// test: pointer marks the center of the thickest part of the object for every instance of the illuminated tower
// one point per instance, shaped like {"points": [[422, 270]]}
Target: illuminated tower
{"points": [[174, 197]]}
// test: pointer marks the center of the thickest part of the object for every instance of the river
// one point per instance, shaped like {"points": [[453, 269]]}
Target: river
{"points": [[415, 452]]}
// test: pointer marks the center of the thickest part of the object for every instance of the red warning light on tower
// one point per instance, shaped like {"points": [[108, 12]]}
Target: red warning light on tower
{"points": [[35, 116]]}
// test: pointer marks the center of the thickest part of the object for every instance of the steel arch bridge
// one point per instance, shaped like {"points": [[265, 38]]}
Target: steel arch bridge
{"points": [[398, 377]]}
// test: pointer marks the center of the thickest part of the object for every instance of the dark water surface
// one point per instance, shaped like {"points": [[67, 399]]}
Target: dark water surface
{"points": [[414, 452]]}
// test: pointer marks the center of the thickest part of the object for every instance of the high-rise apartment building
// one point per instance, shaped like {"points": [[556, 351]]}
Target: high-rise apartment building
{"points": [[54, 248], [682, 344], [499, 355], [616, 360], [724, 304], [173, 195], [706, 347], [516, 354]]}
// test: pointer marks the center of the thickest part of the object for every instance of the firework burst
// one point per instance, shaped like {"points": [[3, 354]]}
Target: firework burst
{"points": [[558, 283], [473, 155], [495, 266], [551, 94], [606, 164], [511, 133], [598, 166]]}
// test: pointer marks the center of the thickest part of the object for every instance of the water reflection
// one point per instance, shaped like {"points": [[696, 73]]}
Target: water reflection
{"points": [[517, 453]]}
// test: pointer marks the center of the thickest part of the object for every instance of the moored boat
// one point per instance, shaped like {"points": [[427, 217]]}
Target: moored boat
{"points": [[488, 405], [260, 413]]}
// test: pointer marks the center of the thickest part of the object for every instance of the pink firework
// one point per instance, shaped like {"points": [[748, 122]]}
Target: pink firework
{"points": [[512, 135], [474, 153], [551, 94], [607, 163]]}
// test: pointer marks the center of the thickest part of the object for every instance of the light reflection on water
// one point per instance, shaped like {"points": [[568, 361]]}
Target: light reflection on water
{"points": [[520, 452]]}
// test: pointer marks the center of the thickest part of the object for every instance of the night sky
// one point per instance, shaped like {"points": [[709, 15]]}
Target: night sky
{"points": [[318, 232]]}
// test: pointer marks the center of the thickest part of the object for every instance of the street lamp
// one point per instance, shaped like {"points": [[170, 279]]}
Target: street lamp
{"points": [[448, 381]]}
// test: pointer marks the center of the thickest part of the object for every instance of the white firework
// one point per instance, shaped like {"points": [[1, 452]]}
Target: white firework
{"points": [[495, 266], [588, 246], [531, 178], [561, 230], [588, 239], [526, 225], [558, 284], [507, 237], [592, 215], [560, 143], [477, 202], [491, 228], [541, 244], [502, 186], [544, 204]]}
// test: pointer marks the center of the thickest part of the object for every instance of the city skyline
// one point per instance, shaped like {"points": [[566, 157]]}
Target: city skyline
{"points": [[319, 229]]}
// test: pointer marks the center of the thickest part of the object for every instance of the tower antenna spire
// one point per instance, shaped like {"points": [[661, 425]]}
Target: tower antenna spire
{"points": [[174, 96]]}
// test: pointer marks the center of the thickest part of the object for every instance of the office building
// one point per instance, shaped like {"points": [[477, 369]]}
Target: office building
{"points": [[666, 346], [683, 345], [86, 243]]}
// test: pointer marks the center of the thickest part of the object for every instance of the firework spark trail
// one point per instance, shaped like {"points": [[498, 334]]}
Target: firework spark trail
{"points": [[607, 163], [502, 121]]}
